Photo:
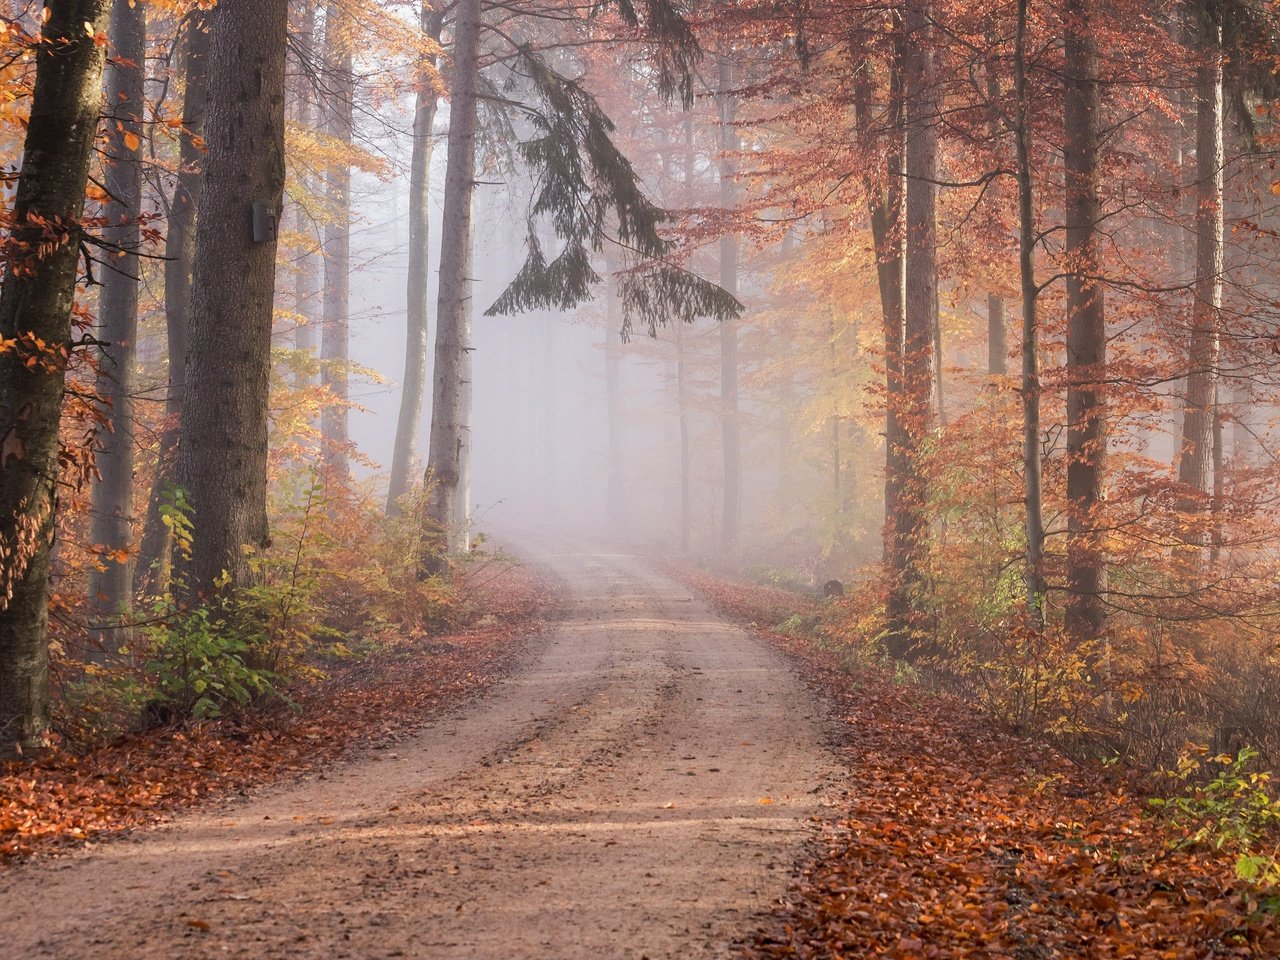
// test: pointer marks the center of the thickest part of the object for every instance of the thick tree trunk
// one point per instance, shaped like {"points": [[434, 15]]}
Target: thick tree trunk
{"points": [[180, 245], [222, 454], [886, 208], [36, 298], [415, 348], [918, 344], [1196, 459], [111, 580], [1033, 576], [1085, 617], [453, 306], [335, 326], [730, 428]]}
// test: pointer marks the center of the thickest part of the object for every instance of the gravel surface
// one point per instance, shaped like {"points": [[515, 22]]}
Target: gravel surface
{"points": [[639, 787]]}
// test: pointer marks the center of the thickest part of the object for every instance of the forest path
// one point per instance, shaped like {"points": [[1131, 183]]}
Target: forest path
{"points": [[637, 788]]}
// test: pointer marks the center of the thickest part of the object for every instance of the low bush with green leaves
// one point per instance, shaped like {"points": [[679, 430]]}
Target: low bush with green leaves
{"points": [[1233, 810]]}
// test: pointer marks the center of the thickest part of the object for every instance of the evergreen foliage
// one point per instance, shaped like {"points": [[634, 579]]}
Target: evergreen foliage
{"points": [[586, 189]]}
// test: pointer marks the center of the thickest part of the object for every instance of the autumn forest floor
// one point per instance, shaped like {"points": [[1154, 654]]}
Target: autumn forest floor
{"points": [[605, 765]]}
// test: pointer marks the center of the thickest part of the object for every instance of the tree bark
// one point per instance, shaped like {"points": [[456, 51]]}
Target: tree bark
{"points": [[453, 306], [222, 454], [1033, 576], [730, 428], [180, 244], [308, 288], [921, 308], [887, 212], [1196, 460], [614, 508], [111, 530], [1085, 615], [997, 337], [415, 349], [682, 371], [335, 326], [35, 311]]}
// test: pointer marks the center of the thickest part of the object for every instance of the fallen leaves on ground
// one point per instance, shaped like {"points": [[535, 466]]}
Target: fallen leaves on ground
{"points": [[953, 839], [60, 798]]}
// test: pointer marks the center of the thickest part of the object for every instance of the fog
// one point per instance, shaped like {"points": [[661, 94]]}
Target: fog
{"points": [[541, 429]]}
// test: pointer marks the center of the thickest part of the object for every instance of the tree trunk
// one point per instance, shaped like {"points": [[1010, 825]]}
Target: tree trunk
{"points": [[111, 580], [614, 508], [886, 208], [415, 349], [179, 251], [35, 313], [1085, 616], [921, 308], [335, 326], [730, 431], [461, 539], [682, 371], [453, 305], [1196, 460], [1033, 576], [222, 454], [308, 288], [997, 337]]}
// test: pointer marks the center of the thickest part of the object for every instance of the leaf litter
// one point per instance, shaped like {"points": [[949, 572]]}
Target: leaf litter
{"points": [[953, 838]]}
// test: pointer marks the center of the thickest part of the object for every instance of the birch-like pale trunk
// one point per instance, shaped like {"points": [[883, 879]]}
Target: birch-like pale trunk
{"points": [[730, 428], [453, 304], [415, 349]]}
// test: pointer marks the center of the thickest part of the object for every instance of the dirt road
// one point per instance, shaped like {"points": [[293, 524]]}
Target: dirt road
{"points": [[637, 788]]}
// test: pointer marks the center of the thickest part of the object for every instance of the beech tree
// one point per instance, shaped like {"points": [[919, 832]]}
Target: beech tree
{"points": [[591, 195], [36, 297], [179, 251], [111, 581], [1085, 618], [222, 456], [1195, 463], [729, 414], [453, 308], [427, 98]]}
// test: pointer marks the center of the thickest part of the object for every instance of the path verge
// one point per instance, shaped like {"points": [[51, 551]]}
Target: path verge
{"points": [[956, 839], [62, 800]]}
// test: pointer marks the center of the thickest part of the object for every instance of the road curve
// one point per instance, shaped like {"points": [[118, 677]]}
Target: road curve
{"points": [[638, 787]]}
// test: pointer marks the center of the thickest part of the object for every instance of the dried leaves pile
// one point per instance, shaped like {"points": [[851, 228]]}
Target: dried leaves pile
{"points": [[954, 839], [63, 799]]}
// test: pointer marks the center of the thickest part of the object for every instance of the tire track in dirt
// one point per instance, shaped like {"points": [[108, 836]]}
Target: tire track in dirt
{"points": [[639, 787]]}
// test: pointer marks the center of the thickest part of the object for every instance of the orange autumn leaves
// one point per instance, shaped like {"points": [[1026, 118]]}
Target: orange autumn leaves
{"points": [[953, 839]]}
